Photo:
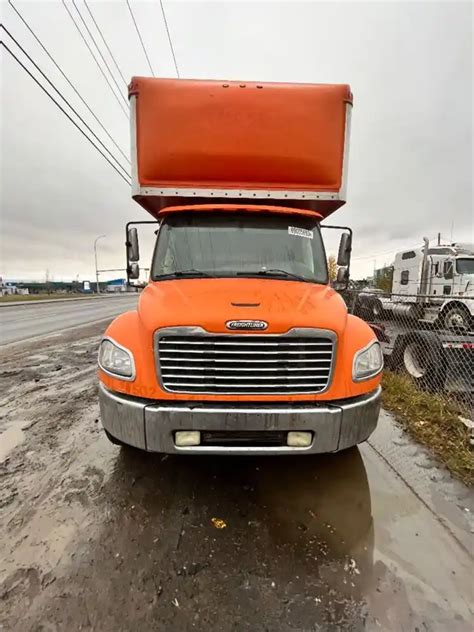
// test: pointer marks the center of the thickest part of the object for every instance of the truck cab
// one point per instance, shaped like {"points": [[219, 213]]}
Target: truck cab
{"points": [[441, 283], [239, 343]]}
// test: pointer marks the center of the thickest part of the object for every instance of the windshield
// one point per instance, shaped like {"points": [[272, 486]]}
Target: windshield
{"points": [[465, 266], [244, 244]]}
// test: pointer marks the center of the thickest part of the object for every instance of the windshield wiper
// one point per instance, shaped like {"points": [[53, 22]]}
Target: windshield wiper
{"points": [[275, 272], [183, 273]]}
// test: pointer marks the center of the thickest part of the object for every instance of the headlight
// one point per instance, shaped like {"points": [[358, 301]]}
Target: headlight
{"points": [[367, 362], [116, 360]]}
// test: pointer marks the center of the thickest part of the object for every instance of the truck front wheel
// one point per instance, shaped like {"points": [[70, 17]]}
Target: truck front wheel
{"points": [[377, 309], [116, 441], [457, 318]]}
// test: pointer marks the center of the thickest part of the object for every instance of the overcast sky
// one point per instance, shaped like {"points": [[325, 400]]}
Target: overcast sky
{"points": [[409, 66]]}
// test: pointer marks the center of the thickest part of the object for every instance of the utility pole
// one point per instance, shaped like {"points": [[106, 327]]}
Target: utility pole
{"points": [[96, 267]]}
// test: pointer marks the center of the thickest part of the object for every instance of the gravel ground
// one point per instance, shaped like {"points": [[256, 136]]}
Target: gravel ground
{"points": [[99, 538]]}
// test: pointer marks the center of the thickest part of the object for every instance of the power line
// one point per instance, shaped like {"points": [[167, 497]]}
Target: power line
{"points": [[64, 112], [169, 38], [105, 43], [140, 37], [100, 52], [95, 58], [64, 99], [377, 254], [387, 252], [68, 80]]}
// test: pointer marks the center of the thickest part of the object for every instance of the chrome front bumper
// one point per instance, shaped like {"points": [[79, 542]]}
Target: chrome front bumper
{"points": [[151, 426]]}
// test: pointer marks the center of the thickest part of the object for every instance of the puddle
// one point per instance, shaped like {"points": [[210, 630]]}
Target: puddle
{"points": [[9, 440]]}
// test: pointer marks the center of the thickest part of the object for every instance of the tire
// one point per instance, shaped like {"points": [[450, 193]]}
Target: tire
{"points": [[364, 309], [377, 309], [457, 318], [116, 441], [420, 355], [366, 313]]}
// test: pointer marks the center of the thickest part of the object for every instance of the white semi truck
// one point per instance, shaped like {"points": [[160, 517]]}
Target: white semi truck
{"points": [[433, 284]]}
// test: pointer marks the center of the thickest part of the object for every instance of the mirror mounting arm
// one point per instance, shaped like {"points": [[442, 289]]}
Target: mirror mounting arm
{"points": [[128, 244], [344, 255]]}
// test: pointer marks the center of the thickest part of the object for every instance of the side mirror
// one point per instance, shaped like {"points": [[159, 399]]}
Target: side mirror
{"points": [[448, 270], [342, 276], [345, 247], [342, 280], [133, 270], [133, 250]]}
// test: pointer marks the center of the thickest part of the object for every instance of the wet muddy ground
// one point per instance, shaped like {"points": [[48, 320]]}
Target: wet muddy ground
{"points": [[99, 538]]}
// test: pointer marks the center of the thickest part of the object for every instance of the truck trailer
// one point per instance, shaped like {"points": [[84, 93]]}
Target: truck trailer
{"points": [[239, 344]]}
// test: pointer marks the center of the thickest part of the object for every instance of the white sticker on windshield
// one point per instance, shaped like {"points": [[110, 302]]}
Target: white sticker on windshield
{"points": [[300, 232]]}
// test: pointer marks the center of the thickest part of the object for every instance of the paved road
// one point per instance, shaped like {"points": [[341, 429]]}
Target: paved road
{"points": [[35, 319]]}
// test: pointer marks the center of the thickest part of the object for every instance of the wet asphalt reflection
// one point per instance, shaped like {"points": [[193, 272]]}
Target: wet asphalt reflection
{"points": [[296, 548]]}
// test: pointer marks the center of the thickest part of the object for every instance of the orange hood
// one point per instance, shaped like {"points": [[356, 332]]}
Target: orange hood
{"points": [[210, 303]]}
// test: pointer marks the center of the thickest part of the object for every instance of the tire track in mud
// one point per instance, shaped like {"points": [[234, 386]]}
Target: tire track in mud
{"points": [[46, 395], [49, 409]]}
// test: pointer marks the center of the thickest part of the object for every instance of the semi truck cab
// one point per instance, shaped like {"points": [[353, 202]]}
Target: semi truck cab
{"points": [[239, 343], [433, 283]]}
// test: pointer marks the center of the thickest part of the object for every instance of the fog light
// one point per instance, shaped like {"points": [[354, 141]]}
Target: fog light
{"points": [[299, 439], [187, 437]]}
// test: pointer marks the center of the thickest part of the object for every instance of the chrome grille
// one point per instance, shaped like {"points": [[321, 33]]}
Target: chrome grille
{"points": [[189, 360]]}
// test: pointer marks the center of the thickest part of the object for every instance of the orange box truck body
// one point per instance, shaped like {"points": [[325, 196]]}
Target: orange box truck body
{"points": [[239, 342]]}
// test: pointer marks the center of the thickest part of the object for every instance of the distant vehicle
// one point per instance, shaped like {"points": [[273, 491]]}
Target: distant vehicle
{"points": [[116, 285], [432, 284]]}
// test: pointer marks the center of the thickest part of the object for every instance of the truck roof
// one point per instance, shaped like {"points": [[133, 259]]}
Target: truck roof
{"points": [[196, 142], [456, 249]]}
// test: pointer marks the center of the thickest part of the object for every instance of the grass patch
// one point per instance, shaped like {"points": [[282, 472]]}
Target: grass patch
{"points": [[431, 420]]}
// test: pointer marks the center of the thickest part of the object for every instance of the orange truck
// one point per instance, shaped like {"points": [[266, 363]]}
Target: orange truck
{"points": [[239, 343]]}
